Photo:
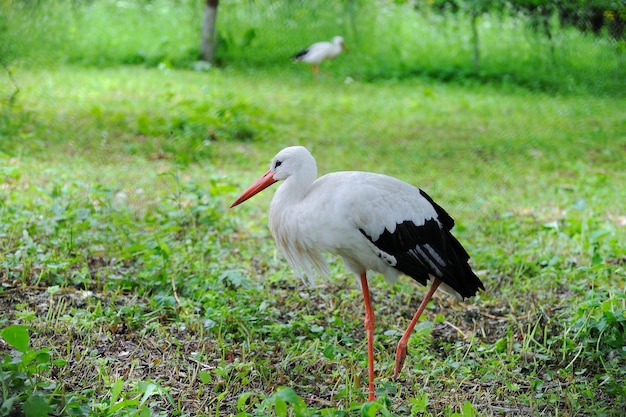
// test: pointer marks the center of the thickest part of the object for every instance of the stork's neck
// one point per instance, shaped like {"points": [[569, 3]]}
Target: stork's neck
{"points": [[295, 187]]}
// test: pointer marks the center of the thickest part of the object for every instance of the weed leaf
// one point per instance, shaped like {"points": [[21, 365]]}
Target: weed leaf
{"points": [[7, 405], [205, 377], [280, 407], [36, 406], [371, 409], [16, 336], [468, 410], [419, 403], [149, 390], [116, 390]]}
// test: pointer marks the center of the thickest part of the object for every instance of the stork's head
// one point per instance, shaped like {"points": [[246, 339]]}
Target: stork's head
{"points": [[290, 161], [294, 161], [338, 40]]}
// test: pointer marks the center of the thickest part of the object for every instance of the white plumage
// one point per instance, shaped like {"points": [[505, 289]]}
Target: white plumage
{"points": [[341, 204], [373, 222], [320, 51]]}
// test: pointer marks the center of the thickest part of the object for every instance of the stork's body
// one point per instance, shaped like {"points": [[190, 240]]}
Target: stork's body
{"points": [[373, 222], [319, 52]]}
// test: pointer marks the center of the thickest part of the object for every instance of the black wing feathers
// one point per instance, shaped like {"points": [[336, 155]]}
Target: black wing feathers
{"points": [[430, 249], [300, 54], [442, 215]]}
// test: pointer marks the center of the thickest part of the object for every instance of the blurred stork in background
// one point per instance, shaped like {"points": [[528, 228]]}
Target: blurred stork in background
{"points": [[319, 52]]}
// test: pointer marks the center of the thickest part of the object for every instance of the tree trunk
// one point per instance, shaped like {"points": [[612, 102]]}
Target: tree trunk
{"points": [[207, 35], [473, 22], [545, 17], [10, 74]]}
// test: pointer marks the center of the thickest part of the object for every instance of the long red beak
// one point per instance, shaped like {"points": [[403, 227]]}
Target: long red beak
{"points": [[259, 185]]}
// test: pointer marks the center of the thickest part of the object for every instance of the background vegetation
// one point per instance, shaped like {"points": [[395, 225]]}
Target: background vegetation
{"points": [[531, 43], [127, 287]]}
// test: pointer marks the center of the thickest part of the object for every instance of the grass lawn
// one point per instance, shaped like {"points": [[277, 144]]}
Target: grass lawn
{"points": [[143, 293]]}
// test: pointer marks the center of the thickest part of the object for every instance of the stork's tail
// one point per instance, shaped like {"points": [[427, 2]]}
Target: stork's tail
{"points": [[298, 57], [467, 282]]}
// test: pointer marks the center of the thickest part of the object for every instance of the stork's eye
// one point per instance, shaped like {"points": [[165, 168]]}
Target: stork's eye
{"points": [[278, 163]]}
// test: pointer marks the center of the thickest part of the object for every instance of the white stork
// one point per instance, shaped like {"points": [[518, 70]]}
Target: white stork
{"points": [[319, 52], [373, 222]]}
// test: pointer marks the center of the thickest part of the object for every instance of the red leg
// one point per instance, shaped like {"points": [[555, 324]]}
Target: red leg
{"points": [[402, 350], [316, 70], [369, 328]]}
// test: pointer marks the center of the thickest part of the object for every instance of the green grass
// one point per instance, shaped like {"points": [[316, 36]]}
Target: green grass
{"points": [[127, 286], [120, 254]]}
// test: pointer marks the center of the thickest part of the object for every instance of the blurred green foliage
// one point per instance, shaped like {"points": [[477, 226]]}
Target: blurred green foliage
{"points": [[541, 45]]}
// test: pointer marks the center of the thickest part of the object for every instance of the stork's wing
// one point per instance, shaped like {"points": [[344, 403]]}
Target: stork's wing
{"points": [[423, 245], [410, 231], [315, 53], [300, 55]]}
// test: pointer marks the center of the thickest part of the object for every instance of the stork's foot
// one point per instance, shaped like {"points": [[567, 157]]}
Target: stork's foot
{"points": [[400, 357]]}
